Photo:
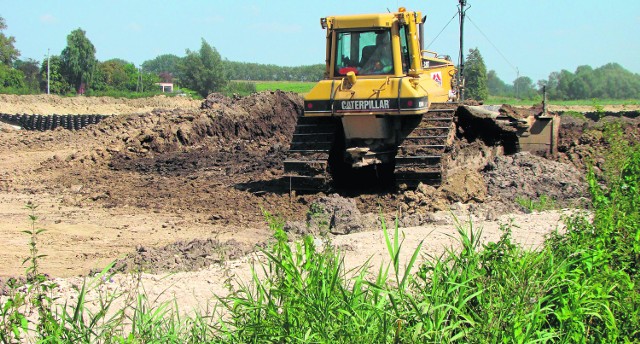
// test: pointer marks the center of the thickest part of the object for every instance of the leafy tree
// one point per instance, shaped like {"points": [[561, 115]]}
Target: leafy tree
{"points": [[203, 71], [10, 78], [475, 75], [8, 53], [551, 83], [113, 75], [57, 83], [31, 71], [524, 89], [165, 66], [78, 59], [496, 86]]}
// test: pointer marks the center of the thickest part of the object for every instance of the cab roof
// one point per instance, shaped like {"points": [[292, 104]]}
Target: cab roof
{"points": [[365, 20]]}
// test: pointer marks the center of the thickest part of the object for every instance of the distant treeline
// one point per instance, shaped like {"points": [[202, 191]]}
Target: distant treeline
{"points": [[256, 71], [610, 81]]}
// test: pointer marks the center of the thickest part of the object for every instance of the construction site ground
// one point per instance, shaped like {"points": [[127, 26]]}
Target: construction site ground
{"points": [[174, 185]]}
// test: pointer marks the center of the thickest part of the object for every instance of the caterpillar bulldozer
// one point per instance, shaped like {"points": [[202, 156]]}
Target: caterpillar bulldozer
{"points": [[386, 110]]}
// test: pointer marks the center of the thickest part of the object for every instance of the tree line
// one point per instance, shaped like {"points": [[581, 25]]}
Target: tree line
{"points": [[76, 70], [610, 81]]}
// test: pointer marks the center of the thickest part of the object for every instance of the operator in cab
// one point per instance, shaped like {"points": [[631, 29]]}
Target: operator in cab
{"points": [[381, 61]]}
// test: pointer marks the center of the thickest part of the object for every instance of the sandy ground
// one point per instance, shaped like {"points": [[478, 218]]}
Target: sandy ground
{"points": [[196, 290]]}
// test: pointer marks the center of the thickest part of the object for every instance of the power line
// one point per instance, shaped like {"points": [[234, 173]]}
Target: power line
{"points": [[441, 31], [494, 46]]}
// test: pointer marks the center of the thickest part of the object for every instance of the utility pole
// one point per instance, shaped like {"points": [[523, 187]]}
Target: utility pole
{"points": [[462, 9], [48, 70], [517, 82]]}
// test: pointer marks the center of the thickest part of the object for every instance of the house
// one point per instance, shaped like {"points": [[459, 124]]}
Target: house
{"points": [[165, 86]]}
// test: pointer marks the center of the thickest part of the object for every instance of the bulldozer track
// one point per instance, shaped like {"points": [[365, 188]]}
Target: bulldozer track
{"points": [[420, 156], [50, 122], [306, 166]]}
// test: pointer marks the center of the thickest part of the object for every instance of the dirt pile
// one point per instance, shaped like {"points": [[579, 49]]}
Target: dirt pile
{"points": [[333, 214], [44, 104], [530, 176], [582, 140]]}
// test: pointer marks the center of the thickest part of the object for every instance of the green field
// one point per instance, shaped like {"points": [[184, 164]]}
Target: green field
{"points": [[305, 87], [582, 102], [286, 86]]}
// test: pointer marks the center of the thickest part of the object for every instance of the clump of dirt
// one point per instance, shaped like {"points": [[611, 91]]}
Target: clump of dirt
{"points": [[530, 176], [181, 255], [332, 214], [581, 141], [464, 186]]}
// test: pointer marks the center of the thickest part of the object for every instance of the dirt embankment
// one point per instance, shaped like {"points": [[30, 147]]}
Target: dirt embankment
{"points": [[44, 104]]}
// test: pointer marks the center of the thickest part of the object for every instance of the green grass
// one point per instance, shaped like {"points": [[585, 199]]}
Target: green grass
{"points": [[581, 286], [544, 202], [286, 86], [585, 102]]}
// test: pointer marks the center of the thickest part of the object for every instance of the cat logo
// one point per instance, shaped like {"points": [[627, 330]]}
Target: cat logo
{"points": [[437, 77]]}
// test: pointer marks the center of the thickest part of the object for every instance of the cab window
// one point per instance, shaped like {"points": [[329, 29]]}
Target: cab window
{"points": [[363, 52], [404, 49]]}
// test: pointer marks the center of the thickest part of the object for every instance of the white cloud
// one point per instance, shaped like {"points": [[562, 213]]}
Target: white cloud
{"points": [[48, 19]]}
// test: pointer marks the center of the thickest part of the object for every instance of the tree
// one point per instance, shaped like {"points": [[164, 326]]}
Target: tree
{"points": [[164, 66], [31, 71], [496, 86], [10, 78], [57, 83], [475, 75], [8, 53], [78, 59], [203, 71], [524, 88]]}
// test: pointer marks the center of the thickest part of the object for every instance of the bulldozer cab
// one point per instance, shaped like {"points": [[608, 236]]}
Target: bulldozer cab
{"points": [[367, 52], [373, 46]]}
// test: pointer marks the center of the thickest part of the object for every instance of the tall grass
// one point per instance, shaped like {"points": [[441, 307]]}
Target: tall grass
{"points": [[580, 286]]}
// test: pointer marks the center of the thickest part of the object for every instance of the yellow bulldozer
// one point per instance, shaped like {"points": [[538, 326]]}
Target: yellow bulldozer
{"points": [[386, 110]]}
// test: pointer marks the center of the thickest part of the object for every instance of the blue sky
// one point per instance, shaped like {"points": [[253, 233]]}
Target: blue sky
{"points": [[529, 37]]}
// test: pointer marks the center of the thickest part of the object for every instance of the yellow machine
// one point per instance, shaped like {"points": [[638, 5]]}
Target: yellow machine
{"points": [[384, 111]]}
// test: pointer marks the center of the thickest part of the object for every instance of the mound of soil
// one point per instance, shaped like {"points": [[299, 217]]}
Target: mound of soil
{"points": [[44, 104], [530, 176], [582, 140]]}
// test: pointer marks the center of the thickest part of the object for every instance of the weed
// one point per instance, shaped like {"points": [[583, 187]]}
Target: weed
{"points": [[574, 114], [543, 203]]}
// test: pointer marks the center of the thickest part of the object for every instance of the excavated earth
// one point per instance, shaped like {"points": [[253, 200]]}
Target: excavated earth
{"points": [[173, 184]]}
